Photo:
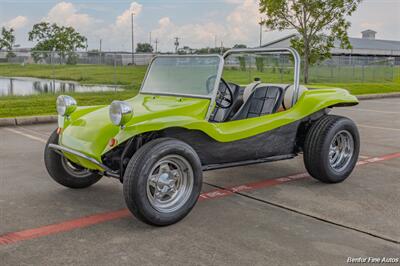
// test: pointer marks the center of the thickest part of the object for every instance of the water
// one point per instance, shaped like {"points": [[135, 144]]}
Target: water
{"points": [[32, 86]]}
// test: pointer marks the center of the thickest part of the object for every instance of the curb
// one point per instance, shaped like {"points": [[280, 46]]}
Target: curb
{"points": [[28, 120], [379, 96], [31, 120]]}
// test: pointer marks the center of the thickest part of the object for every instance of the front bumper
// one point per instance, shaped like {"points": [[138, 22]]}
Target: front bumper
{"points": [[64, 151]]}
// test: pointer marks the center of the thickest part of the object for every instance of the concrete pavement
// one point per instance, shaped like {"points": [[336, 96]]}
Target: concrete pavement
{"points": [[293, 222]]}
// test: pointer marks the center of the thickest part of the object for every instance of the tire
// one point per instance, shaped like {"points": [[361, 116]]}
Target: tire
{"points": [[65, 172], [152, 173], [324, 157]]}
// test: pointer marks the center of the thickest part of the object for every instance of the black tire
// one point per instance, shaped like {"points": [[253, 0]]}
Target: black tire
{"points": [[317, 148], [57, 167], [138, 172]]}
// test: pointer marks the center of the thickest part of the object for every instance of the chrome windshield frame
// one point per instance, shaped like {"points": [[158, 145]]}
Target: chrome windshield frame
{"points": [[291, 51]]}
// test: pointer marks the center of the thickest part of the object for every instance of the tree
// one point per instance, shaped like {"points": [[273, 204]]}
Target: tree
{"points": [[318, 23], [239, 46], [7, 40], [144, 48], [52, 37]]}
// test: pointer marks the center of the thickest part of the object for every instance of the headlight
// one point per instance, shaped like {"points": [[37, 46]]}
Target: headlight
{"points": [[66, 105], [120, 113]]}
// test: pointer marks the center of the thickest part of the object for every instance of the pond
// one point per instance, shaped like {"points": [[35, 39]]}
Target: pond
{"points": [[31, 86]]}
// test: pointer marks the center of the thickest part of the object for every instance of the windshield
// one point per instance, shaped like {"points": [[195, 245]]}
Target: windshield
{"points": [[182, 75]]}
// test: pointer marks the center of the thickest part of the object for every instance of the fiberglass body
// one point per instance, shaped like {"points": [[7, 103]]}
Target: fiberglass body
{"points": [[186, 116]]}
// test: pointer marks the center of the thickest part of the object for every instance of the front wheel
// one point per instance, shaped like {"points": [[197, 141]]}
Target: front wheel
{"points": [[64, 171], [162, 181], [331, 148]]}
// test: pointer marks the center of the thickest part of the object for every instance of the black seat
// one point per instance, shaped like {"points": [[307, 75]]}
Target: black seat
{"points": [[223, 114], [262, 101]]}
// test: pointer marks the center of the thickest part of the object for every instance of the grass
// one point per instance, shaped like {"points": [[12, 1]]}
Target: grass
{"points": [[84, 74], [386, 80], [12, 106]]}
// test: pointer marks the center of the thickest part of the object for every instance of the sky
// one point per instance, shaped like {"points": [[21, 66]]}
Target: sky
{"points": [[198, 23]]}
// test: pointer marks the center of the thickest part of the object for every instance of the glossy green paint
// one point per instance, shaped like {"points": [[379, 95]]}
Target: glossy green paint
{"points": [[89, 129]]}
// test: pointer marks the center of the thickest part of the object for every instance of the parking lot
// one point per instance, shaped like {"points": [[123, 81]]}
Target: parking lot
{"points": [[266, 214]]}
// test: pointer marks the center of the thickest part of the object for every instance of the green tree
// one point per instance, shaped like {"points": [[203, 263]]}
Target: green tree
{"points": [[7, 40], [52, 37], [318, 23], [144, 48], [239, 46]]}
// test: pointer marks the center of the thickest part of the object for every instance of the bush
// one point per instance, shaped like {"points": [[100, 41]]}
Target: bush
{"points": [[242, 63], [72, 59], [260, 64]]}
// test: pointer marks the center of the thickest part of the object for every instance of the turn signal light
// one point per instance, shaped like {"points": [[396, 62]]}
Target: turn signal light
{"points": [[112, 142]]}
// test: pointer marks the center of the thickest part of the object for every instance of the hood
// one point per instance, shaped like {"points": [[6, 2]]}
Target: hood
{"points": [[89, 130]]}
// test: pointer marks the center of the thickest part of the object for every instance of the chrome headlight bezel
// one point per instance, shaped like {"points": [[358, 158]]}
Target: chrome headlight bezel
{"points": [[66, 105], [120, 113]]}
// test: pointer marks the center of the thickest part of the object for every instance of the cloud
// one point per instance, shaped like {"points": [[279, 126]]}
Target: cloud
{"points": [[233, 1], [194, 35], [124, 19], [17, 22], [240, 25], [66, 14], [243, 22], [117, 34]]}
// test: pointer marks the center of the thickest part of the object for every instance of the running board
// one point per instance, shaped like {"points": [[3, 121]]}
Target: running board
{"points": [[248, 162]]}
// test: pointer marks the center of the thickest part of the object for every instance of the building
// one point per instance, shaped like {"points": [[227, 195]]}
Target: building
{"points": [[365, 50]]}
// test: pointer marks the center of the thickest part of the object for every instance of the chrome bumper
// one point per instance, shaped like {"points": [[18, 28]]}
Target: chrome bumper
{"points": [[59, 149]]}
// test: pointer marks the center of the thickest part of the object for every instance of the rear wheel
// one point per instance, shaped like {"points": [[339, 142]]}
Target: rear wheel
{"points": [[331, 148], [66, 172], [162, 181]]}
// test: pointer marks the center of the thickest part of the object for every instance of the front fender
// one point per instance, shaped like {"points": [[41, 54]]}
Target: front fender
{"points": [[79, 112]]}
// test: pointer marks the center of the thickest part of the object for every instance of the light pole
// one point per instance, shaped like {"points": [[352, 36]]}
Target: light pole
{"points": [[156, 42], [260, 31], [133, 40]]}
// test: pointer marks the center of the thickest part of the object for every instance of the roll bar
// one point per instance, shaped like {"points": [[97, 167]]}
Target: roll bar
{"points": [[292, 51]]}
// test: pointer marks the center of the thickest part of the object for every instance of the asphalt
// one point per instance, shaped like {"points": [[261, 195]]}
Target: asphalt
{"points": [[293, 222]]}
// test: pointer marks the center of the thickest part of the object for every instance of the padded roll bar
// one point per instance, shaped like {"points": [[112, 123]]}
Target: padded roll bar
{"points": [[292, 51]]}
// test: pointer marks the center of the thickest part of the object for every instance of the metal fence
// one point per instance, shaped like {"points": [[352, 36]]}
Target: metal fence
{"points": [[338, 69], [75, 58], [242, 68]]}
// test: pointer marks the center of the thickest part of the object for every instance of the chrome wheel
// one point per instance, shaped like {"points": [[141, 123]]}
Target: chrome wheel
{"points": [[341, 150], [74, 169], [170, 183]]}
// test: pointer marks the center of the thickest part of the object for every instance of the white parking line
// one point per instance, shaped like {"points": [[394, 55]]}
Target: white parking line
{"points": [[26, 135], [383, 128], [42, 134], [369, 110]]}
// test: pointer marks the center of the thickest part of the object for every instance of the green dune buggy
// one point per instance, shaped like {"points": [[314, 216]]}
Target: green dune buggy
{"points": [[187, 119]]}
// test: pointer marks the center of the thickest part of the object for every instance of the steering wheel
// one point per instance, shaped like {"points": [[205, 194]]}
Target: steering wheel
{"points": [[224, 98]]}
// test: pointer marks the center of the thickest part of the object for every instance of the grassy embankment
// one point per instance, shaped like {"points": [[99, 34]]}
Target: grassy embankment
{"points": [[131, 77]]}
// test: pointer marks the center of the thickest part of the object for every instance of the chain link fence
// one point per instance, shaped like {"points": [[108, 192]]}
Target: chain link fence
{"points": [[115, 68], [339, 69], [75, 58]]}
